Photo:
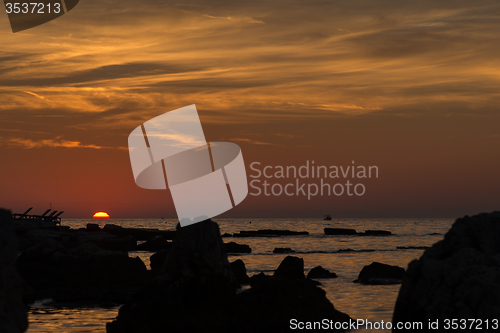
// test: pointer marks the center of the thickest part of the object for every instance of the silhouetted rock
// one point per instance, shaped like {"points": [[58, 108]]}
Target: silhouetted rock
{"points": [[13, 312], [270, 305], [376, 233], [84, 272], [377, 273], [283, 250], [139, 234], [196, 292], [291, 268], [155, 244], [233, 247], [319, 272], [340, 231], [458, 277], [93, 227], [240, 271], [269, 233], [227, 235], [157, 260]]}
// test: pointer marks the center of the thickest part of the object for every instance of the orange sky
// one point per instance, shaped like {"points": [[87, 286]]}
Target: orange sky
{"points": [[412, 87]]}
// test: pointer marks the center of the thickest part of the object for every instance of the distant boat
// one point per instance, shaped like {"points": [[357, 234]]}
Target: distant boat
{"points": [[327, 217]]}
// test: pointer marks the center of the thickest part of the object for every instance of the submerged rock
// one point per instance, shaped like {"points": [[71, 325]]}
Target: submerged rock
{"points": [[283, 250], [340, 231], [233, 247], [458, 277], [13, 312], [376, 233], [319, 272], [269, 233], [377, 273]]}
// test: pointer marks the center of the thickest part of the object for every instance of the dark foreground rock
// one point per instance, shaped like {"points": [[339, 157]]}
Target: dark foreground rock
{"points": [[319, 272], [196, 292], [291, 268], [83, 273], [13, 312], [233, 247], [240, 271], [270, 233], [377, 273], [155, 244], [340, 231], [457, 278]]}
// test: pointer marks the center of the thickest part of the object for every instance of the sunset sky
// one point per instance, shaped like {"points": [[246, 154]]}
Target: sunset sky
{"points": [[411, 87]]}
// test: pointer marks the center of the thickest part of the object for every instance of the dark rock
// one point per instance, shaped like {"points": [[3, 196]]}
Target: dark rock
{"points": [[269, 233], [233, 247], [227, 235], [377, 273], [270, 305], [283, 250], [157, 260], [85, 272], [291, 268], [190, 303], [93, 227], [155, 244], [139, 234], [258, 278], [13, 312], [240, 271], [377, 233], [198, 255], [319, 272], [458, 277], [340, 231]]}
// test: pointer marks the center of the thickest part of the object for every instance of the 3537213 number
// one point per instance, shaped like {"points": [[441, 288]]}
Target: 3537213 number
{"points": [[32, 8]]}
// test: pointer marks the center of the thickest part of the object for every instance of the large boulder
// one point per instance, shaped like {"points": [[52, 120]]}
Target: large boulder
{"points": [[195, 291], [13, 312], [291, 267], [377, 273], [457, 278], [240, 271]]}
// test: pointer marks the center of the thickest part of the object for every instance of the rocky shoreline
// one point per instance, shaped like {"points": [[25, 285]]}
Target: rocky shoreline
{"points": [[192, 286]]}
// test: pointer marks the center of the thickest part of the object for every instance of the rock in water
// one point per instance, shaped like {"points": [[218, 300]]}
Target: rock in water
{"points": [[377, 273], [233, 247], [291, 267], [198, 256], [319, 272], [13, 312], [457, 278], [240, 271], [196, 292]]}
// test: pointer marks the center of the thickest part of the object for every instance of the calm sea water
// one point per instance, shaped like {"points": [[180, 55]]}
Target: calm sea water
{"points": [[374, 303]]}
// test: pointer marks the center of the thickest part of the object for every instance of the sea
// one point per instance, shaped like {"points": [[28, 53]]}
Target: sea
{"points": [[344, 255]]}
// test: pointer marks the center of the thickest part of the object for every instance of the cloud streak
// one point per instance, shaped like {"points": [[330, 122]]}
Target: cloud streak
{"points": [[54, 143]]}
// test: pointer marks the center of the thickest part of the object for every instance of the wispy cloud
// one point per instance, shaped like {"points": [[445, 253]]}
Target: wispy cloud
{"points": [[254, 142], [54, 143]]}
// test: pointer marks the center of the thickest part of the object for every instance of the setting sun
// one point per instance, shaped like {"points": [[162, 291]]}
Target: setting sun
{"points": [[101, 215]]}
